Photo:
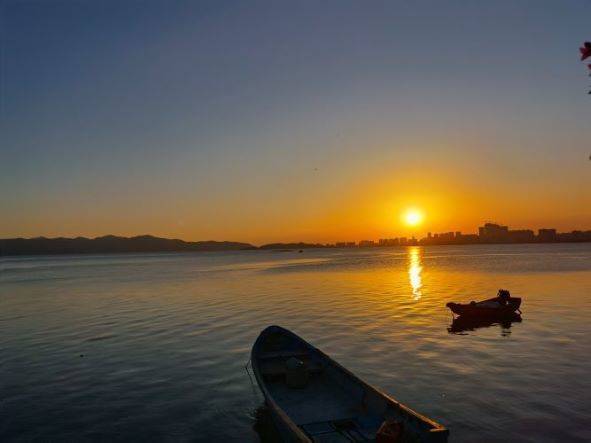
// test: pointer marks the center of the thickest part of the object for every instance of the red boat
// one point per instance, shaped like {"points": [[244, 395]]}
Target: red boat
{"points": [[503, 305]]}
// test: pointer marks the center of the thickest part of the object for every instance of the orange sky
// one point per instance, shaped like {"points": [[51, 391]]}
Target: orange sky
{"points": [[364, 200], [292, 123]]}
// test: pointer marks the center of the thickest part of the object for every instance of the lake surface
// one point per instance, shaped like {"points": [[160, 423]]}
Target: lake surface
{"points": [[153, 346]]}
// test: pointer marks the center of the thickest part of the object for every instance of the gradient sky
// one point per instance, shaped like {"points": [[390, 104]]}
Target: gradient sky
{"points": [[282, 121]]}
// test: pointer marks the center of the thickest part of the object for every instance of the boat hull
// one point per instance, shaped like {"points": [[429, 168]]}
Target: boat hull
{"points": [[486, 309], [334, 400]]}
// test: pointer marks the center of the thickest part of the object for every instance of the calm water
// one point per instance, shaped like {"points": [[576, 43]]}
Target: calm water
{"points": [[136, 347]]}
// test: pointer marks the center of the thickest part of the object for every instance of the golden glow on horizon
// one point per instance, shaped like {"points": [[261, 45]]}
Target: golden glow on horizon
{"points": [[371, 207], [414, 272], [413, 217]]}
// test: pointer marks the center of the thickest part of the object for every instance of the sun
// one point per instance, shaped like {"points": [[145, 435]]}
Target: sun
{"points": [[412, 217]]}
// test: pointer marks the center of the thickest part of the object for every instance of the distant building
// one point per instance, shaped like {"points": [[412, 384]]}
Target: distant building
{"points": [[446, 237], [388, 242], [575, 236], [521, 236], [468, 238], [495, 233], [492, 233], [547, 235], [366, 243]]}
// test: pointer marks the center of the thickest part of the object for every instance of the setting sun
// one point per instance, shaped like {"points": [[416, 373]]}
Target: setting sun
{"points": [[413, 217]]}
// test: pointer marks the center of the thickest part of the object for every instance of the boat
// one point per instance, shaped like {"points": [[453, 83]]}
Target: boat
{"points": [[312, 398], [503, 305]]}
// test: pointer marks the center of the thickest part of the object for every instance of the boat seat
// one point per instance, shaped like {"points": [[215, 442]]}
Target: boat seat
{"points": [[276, 367], [345, 430]]}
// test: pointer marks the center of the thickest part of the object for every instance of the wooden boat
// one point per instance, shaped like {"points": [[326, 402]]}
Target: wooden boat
{"points": [[312, 398], [486, 309]]}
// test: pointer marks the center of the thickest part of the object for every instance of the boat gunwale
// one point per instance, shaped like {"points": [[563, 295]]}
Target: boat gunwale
{"points": [[436, 428]]}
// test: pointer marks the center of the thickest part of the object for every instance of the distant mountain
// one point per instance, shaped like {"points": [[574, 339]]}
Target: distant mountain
{"points": [[110, 244], [292, 246]]}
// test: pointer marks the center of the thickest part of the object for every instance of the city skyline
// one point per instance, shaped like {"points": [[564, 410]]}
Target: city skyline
{"points": [[489, 233]]}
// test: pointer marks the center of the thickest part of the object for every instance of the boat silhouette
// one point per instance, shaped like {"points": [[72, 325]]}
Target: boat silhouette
{"points": [[499, 307]]}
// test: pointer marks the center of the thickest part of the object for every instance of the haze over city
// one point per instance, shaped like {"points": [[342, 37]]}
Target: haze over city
{"points": [[293, 122]]}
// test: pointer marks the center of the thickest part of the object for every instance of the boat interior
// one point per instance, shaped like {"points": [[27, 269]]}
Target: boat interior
{"points": [[332, 405]]}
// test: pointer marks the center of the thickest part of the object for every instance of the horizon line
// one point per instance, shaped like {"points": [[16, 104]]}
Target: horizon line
{"points": [[429, 235]]}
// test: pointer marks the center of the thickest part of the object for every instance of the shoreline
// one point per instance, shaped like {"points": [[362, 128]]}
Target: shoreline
{"points": [[278, 248]]}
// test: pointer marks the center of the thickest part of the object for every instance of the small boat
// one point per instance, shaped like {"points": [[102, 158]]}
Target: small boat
{"points": [[503, 305], [312, 398]]}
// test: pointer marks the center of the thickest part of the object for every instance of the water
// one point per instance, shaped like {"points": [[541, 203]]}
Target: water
{"points": [[153, 346]]}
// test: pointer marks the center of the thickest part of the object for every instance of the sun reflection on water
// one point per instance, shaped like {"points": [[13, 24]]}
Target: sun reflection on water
{"points": [[414, 272]]}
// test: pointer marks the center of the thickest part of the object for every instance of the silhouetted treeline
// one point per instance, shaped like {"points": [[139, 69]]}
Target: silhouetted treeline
{"points": [[110, 244]]}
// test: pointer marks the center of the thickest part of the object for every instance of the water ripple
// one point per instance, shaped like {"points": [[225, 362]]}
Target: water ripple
{"points": [[153, 347]]}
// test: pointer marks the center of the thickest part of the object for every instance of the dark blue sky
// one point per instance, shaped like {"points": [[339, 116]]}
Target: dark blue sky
{"points": [[263, 120]]}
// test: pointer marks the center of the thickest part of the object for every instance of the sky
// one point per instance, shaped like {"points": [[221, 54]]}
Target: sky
{"points": [[288, 121]]}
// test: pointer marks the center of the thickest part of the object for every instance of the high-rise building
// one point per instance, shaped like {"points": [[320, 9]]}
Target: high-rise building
{"points": [[492, 232]]}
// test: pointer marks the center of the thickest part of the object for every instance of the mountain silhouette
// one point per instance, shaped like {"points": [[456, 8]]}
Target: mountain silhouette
{"points": [[111, 244]]}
